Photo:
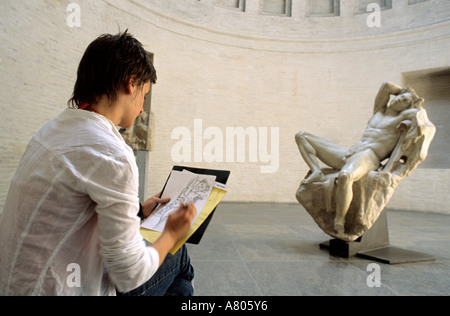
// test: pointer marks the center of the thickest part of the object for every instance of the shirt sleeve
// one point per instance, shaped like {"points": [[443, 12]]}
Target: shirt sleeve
{"points": [[113, 185]]}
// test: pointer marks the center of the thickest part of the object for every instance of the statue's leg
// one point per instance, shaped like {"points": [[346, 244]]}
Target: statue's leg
{"points": [[313, 148], [354, 169]]}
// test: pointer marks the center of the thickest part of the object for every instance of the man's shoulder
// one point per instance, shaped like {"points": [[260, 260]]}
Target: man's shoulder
{"points": [[81, 131]]}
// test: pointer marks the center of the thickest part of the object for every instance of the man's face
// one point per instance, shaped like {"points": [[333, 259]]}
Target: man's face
{"points": [[136, 106], [401, 102], [140, 97]]}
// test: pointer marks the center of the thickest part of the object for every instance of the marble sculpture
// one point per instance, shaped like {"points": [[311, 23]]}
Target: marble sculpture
{"points": [[346, 200]]}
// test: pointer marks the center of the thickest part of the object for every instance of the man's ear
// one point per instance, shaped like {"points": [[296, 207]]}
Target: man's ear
{"points": [[130, 87]]}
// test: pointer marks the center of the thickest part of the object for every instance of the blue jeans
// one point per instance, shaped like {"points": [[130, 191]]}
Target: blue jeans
{"points": [[173, 278]]}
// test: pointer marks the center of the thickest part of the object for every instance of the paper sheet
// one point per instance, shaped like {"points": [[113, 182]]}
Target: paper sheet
{"points": [[181, 187], [217, 194]]}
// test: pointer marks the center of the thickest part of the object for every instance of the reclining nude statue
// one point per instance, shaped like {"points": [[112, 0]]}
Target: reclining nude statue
{"points": [[346, 200]]}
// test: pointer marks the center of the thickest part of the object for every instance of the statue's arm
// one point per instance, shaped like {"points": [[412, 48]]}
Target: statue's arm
{"points": [[384, 94]]}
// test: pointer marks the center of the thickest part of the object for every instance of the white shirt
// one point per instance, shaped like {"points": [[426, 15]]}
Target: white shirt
{"points": [[70, 225]]}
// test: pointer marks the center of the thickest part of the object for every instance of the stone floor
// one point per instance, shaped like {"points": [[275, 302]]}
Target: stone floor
{"points": [[273, 249]]}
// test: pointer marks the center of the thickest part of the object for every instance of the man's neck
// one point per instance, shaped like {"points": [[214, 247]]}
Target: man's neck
{"points": [[109, 110]]}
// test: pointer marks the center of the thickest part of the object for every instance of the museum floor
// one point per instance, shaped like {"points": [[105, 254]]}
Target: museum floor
{"points": [[273, 249]]}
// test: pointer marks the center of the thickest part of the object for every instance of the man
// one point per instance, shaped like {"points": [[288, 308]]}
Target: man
{"points": [[376, 144], [70, 224]]}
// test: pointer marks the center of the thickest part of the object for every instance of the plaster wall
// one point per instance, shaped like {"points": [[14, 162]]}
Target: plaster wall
{"points": [[234, 64]]}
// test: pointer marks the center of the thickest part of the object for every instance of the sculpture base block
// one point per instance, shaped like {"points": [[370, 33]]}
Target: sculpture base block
{"points": [[387, 255], [374, 245], [395, 255]]}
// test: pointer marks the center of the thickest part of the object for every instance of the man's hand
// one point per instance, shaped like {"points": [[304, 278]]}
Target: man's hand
{"points": [[177, 225], [179, 222], [149, 205]]}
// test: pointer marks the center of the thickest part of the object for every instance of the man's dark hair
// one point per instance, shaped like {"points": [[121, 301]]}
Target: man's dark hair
{"points": [[107, 65]]}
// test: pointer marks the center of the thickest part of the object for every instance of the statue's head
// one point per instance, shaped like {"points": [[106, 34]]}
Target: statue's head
{"points": [[406, 99], [202, 185]]}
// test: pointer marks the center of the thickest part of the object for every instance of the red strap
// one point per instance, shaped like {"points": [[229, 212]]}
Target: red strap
{"points": [[86, 106]]}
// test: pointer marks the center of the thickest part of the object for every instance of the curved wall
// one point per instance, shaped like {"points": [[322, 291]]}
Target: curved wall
{"points": [[230, 64]]}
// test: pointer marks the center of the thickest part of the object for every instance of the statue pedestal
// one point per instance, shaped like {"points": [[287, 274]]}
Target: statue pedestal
{"points": [[374, 245]]}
